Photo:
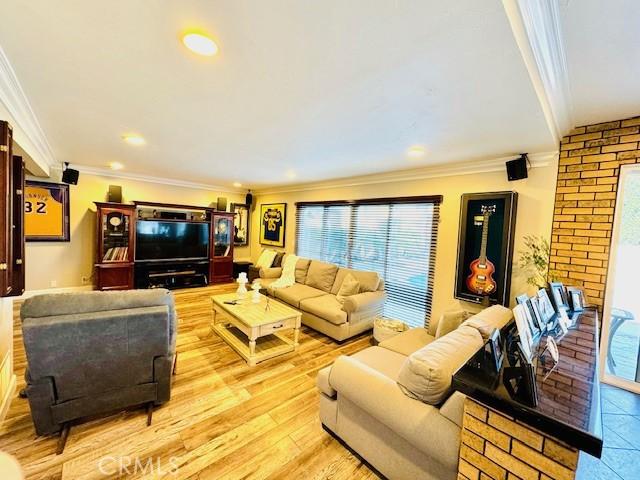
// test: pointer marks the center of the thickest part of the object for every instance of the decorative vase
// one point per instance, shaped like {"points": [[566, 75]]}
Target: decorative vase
{"points": [[242, 289], [255, 298]]}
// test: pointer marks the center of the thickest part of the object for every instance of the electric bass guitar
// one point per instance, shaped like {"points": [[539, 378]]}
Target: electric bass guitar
{"points": [[481, 281]]}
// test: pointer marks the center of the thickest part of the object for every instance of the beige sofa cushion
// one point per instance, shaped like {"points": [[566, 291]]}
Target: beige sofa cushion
{"points": [[382, 360], [350, 286], [449, 321], [385, 362], [321, 275], [426, 374], [369, 281], [326, 307], [294, 294], [301, 270], [408, 341], [490, 318]]}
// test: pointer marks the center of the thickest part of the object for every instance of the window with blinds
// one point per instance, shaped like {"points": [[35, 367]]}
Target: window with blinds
{"points": [[394, 237]]}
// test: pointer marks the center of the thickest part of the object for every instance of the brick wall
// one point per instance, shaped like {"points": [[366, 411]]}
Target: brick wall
{"points": [[497, 447], [589, 166]]}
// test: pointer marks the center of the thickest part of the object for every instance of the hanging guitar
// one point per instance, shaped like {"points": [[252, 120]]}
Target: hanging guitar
{"points": [[481, 281]]}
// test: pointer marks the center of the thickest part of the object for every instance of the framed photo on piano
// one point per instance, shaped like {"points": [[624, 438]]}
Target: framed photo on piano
{"points": [[559, 296], [576, 299], [485, 247]]}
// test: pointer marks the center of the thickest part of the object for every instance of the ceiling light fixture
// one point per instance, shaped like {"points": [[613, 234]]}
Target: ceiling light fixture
{"points": [[200, 44], [416, 151], [133, 139], [116, 166], [237, 184]]}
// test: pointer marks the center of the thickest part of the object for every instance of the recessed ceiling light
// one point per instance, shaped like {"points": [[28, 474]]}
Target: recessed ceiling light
{"points": [[133, 139], [290, 174], [200, 44], [416, 151], [116, 166], [237, 184]]}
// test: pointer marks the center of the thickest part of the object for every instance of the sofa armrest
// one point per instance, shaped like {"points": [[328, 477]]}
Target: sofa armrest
{"points": [[364, 301], [420, 424], [322, 382], [271, 272]]}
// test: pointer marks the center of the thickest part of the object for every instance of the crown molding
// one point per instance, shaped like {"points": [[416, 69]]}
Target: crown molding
{"points": [[106, 172], [537, 160], [14, 99], [536, 28]]}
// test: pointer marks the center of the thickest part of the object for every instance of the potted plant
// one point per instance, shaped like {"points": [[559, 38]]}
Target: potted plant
{"points": [[534, 260]]}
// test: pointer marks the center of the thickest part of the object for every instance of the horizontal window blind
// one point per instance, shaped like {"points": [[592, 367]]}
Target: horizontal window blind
{"points": [[396, 238]]}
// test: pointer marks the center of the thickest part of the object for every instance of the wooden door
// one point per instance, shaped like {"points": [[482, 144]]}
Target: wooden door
{"points": [[17, 244], [6, 163]]}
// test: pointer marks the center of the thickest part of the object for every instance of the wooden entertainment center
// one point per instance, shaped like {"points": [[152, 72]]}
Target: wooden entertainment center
{"points": [[149, 244]]}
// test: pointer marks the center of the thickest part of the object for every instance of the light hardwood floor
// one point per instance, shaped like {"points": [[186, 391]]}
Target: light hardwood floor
{"points": [[224, 419]]}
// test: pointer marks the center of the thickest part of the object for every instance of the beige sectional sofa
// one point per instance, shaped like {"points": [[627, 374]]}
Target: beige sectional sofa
{"points": [[314, 294], [392, 404]]}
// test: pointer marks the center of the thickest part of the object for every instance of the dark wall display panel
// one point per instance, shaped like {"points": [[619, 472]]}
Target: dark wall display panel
{"points": [[485, 247]]}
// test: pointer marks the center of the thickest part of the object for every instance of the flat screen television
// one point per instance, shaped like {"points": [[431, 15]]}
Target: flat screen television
{"points": [[160, 240]]}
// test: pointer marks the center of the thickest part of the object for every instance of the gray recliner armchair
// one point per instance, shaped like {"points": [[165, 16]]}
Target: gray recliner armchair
{"points": [[92, 353]]}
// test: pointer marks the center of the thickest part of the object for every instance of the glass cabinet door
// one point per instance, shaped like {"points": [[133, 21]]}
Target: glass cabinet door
{"points": [[115, 236], [222, 236]]}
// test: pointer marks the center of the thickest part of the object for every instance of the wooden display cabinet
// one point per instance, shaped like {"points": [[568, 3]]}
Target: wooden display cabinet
{"points": [[221, 264], [115, 246]]}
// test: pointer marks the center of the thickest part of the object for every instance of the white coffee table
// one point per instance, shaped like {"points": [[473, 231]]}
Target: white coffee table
{"points": [[257, 331]]}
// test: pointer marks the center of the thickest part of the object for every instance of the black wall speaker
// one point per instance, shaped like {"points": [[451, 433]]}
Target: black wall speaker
{"points": [[222, 204], [249, 199], [517, 169], [69, 175], [115, 194]]}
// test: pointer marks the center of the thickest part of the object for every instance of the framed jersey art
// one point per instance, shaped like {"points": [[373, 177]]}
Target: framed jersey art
{"points": [[46, 212], [272, 224]]}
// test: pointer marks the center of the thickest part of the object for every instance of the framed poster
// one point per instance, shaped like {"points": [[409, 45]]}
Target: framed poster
{"points": [[485, 247], [240, 224], [272, 224], [46, 212]]}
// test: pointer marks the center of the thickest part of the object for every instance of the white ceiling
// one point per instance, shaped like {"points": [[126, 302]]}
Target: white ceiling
{"points": [[602, 40], [320, 89]]}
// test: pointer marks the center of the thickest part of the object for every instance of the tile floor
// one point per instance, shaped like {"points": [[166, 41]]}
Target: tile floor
{"points": [[621, 453]]}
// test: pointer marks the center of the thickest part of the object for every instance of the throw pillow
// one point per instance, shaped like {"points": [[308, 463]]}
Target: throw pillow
{"points": [[449, 321], [266, 258], [277, 262], [350, 286]]}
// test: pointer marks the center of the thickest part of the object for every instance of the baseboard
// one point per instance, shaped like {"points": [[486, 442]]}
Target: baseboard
{"points": [[31, 293], [8, 396]]}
